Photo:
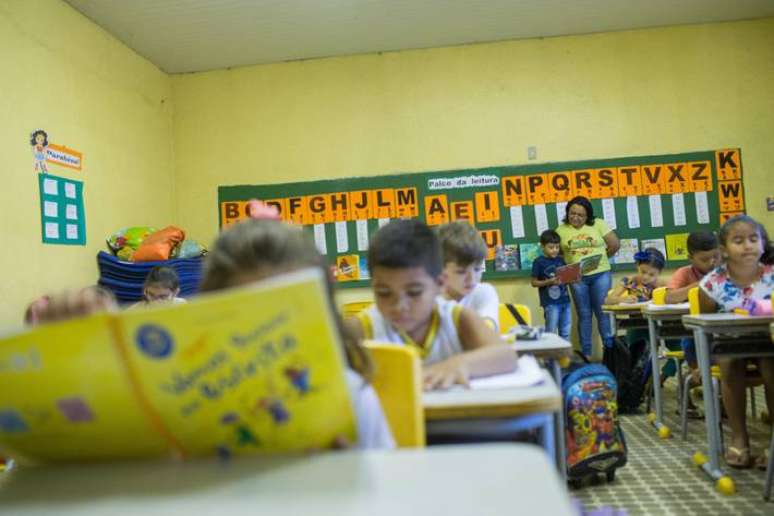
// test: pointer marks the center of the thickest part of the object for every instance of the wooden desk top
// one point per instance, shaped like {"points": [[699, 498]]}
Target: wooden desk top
{"points": [[461, 403], [624, 308], [449, 480], [720, 320]]}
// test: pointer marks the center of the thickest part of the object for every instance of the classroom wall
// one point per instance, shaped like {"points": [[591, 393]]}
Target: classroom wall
{"points": [[643, 92], [62, 73]]}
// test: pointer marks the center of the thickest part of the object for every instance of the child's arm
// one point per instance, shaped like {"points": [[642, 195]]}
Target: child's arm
{"points": [[616, 296], [678, 295], [544, 283], [354, 328], [485, 354]]}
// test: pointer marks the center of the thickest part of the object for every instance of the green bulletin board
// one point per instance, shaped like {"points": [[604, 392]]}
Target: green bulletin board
{"points": [[61, 210], [656, 200]]}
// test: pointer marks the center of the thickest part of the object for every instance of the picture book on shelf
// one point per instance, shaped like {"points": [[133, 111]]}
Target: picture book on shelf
{"points": [[249, 370]]}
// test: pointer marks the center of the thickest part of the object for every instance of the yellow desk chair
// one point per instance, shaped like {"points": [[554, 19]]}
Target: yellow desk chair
{"points": [[659, 298], [507, 320], [353, 308], [397, 380]]}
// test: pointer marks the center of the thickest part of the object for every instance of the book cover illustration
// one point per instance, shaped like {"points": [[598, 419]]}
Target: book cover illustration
{"points": [[257, 369], [507, 258]]}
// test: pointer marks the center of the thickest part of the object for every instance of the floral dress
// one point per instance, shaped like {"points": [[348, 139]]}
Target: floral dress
{"points": [[729, 296]]}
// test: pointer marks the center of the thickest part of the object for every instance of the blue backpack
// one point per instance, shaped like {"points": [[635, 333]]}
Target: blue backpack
{"points": [[595, 441]]}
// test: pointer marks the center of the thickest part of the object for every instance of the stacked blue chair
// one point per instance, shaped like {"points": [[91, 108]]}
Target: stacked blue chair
{"points": [[125, 279]]}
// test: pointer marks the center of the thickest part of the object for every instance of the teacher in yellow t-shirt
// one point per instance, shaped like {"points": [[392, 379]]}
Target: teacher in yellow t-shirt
{"points": [[584, 235]]}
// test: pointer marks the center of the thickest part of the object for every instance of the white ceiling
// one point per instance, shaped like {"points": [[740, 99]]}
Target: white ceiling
{"points": [[197, 35]]}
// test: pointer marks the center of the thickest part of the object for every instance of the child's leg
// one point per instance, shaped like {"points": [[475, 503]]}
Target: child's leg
{"points": [[565, 321], [552, 317], [766, 366], [582, 300], [734, 400], [599, 288]]}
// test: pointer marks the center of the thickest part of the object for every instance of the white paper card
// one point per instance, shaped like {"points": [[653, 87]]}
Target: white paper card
{"points": [[702, 208], [72, 231], [342, 239], [608, 213], [541, 218], [527, 373], [71, 212], [561, 211], [517, 222], [383, 222], [319, 238], [51, 187], [632, 212], [678, 209], [52, 230], [362, 235], [70, 190], [658, 243], [625, 254], [656, 214], [50, 209]]}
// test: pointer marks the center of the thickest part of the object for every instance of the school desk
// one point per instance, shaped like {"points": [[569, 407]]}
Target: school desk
{"points": [[665, 322], [448, 480], [626, 316], [553, 349], [718, 335], [496, 412]]}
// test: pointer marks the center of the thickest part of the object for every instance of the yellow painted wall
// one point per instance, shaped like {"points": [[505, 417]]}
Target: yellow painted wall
{"points": [[665, 90], [62, 73]]}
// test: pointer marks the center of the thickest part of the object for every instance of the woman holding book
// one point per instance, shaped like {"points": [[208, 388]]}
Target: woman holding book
{"points": [[588, 240]]}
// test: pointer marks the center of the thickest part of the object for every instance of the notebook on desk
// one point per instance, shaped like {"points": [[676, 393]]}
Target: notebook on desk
{"points": [[254, 369]]}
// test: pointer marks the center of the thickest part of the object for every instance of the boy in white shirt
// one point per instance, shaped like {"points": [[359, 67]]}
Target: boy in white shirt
{"points": [[463, 264]]}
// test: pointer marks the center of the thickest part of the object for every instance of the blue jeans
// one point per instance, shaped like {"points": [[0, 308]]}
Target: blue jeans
{"points": [[558, 319], [589, 295], [689, 348]]}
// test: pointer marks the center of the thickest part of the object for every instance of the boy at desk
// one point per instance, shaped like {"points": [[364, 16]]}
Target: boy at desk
{"points": [[407, 279], [704, 255]]}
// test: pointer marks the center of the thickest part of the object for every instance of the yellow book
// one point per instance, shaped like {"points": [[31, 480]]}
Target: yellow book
{"points": [[250, 370]]}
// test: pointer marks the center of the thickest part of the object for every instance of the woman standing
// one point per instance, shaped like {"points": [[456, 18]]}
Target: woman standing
{"points": [[584, 235]]}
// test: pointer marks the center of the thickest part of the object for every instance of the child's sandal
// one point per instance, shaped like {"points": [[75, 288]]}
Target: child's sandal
{"points": [[738, 457]]}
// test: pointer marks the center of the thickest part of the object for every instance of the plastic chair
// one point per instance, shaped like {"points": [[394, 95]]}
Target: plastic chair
{"points": [[507, 320], [397, 380], [353, 308]]}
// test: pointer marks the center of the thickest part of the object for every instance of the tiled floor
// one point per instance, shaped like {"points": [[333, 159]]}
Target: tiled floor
{"points": [[660, 477]]}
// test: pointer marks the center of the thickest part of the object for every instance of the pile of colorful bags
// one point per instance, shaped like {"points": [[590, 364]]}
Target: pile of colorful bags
{"points": [[145, 244]]}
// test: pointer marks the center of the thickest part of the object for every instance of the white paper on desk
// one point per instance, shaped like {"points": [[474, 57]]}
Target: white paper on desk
{"points": [[678, 209], [541, 218], [561, 211], [527, 373], [632, 212], [362, 235], [342, 239], [517, 222], [656, 213], [702, 207], [675, 306], [608, 213], [319, 238]]}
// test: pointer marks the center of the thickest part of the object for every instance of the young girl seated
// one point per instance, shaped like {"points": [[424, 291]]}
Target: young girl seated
{"points": [[257, 249], [745, 282], [636, 289], [247, 252]]}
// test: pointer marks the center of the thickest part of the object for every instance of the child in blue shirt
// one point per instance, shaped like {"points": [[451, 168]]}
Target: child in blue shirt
{"points": [[553, 294]]}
